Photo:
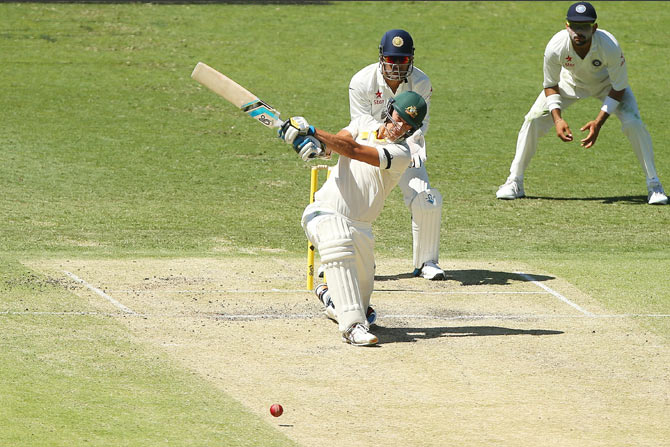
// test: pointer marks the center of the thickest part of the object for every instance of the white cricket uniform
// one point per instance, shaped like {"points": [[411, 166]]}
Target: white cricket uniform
{"points": [[602, 69], [368, 96], [339, 222]]}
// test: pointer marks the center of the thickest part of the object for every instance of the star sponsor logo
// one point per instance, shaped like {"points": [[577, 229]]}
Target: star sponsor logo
{"points": [[378, 98]]}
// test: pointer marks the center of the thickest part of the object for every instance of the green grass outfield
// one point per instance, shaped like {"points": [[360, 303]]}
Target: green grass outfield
{"points": [[110, 150]]}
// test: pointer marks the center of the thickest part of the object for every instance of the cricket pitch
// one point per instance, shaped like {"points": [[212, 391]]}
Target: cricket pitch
{"points": [[488, 357]]}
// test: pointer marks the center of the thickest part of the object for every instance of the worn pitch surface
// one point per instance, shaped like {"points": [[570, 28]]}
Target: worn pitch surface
{"points": [[487, 357]]}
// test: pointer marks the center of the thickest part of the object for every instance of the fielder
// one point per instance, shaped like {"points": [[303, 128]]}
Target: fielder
{"points": [[372, 159], [369, 90], [579, 62]]}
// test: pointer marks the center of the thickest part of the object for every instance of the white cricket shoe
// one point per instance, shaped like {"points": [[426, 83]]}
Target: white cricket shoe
{"points": [[430, 270], [512, 189], [656, 194], [358, 335], [323, 294]]}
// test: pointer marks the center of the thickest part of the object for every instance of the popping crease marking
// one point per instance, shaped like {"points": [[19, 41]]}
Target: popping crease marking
{"points": [[421, 292], [100, 293], [555, 293], [319, 315]]}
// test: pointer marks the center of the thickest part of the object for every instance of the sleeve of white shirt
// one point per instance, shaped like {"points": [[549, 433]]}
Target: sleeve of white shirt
{"points": [[394, 157], [616, 63], [359, 102], [421, 84], [552, 62], [353, 127]]}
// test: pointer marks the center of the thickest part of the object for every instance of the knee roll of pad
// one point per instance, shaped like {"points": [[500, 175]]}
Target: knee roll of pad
{"points": [[336, 250]]}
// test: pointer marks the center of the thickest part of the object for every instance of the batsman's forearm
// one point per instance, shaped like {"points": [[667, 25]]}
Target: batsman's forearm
{"points": [[344, 144], [335, 143]]}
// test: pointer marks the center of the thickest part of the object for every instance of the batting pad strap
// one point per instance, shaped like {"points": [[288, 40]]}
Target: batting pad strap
{"points": [[609, 105], [554, 102]]}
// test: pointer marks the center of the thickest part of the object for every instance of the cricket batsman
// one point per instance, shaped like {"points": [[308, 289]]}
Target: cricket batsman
{"points": [[581, 61], [372, 159]]}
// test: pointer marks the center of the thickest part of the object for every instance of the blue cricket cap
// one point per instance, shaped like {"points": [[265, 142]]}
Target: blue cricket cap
{"points": [[396, 42], [581, 12]]}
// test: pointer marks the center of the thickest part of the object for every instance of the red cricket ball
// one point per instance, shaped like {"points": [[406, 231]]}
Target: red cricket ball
{"points": [[276, 410]]}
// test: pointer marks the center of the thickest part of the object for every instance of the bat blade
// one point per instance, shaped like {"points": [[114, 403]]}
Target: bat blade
{"points": [[237, 95]]}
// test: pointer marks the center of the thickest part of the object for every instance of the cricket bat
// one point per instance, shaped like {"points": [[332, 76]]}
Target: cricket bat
{"points": [[237, 95]]}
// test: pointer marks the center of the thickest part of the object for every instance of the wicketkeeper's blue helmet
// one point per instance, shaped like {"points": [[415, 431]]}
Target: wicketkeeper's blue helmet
{"points": [[396, 55]]}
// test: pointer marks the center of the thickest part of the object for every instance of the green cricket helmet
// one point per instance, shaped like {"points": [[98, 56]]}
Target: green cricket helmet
{"points": [[411, 107]]}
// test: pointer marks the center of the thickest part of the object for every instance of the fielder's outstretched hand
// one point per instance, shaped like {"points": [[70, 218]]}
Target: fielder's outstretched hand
{"points": [[294, 126], [563, 130], [594, 130], [309, 147]]}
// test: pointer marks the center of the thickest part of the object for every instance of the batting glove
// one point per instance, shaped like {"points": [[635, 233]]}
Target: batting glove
{"points": [[294, 127], [309, 147]]}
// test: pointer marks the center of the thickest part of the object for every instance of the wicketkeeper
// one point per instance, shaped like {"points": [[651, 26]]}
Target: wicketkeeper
{"points": [[372, 159], [369, 91]]}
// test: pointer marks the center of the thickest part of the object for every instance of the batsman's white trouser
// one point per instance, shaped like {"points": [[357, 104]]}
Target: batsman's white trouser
{"points": [[538, 122], [346, 249], [426, 211]]}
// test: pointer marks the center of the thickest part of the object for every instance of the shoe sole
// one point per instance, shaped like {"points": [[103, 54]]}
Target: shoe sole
{"points": [[510, 197], [371, 343]]}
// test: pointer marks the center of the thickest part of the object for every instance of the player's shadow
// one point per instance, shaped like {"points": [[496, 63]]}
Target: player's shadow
{"points": [[475, 277], [631, 200], [413, 334]]}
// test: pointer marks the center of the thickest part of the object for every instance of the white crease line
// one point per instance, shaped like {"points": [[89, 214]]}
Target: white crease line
{"points": [[418, 292], [100, 293], [64, 313], [213, 291], [318, 315], [555, 293], [258, 316]]}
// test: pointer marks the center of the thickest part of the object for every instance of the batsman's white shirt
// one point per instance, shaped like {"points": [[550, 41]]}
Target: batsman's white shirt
{"points": [[357, 190], [603, 68]]}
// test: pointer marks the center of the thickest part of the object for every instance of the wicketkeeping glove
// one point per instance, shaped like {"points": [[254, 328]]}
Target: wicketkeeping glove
{"points": [[309, 147], [293, 127], [417, 147]]}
